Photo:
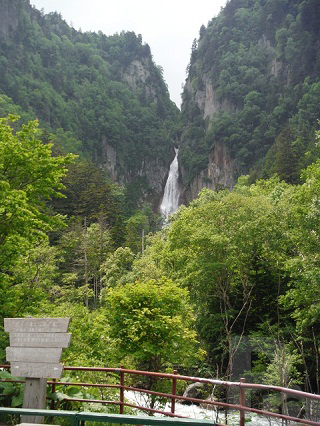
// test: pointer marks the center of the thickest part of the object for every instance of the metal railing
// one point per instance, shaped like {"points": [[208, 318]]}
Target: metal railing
{"points": [[78, 418], [173, 397]]}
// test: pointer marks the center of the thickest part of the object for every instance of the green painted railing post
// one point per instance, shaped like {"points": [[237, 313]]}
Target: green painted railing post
{"points": [[74, 420]]}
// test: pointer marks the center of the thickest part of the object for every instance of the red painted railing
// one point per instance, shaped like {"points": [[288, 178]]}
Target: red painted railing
{"points": [[173, 397]]}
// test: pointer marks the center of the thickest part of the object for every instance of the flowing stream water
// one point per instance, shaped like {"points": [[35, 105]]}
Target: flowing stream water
{"points": [[197, 412], [170, 201]]}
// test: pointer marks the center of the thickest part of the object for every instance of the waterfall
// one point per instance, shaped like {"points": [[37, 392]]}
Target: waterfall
{"points": [[170, 201]]}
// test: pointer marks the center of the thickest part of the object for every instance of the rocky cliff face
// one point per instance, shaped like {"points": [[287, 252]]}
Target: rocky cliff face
{"points": [[138, 75], [221, 170], [252, 73], [277, 68], [9, 17], [109, 159], [154, 171], [207, 99], [156, 175], [220, 173], [104, 91]]}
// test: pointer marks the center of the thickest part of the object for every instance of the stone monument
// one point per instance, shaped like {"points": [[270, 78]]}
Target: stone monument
{"points": [[34, 353]]}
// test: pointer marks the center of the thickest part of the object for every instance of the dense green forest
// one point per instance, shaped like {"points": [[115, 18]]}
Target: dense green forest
{"points": [[236, 273], [227, 252], [102, 97], [260, 58]]}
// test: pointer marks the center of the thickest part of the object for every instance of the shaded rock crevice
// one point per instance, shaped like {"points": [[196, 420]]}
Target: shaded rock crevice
{"points": [[221, 172]]}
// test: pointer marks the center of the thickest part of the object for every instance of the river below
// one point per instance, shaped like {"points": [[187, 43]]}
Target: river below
{"points": [[197, 412]]}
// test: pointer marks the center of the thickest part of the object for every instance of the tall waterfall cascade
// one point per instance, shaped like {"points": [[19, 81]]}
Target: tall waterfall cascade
{"points": [[170, 201]]}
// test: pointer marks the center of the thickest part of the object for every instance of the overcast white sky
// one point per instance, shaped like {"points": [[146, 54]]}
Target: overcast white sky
{"points": [[168, 26]]}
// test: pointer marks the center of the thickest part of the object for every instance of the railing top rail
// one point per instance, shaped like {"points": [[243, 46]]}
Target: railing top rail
{"points": [[146, 420], [37, 412], [203, 380], [281, 389], [107, 417], [235, 407], [193, 379]]}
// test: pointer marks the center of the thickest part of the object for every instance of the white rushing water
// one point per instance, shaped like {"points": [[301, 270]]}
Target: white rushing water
{"points": [[196, 412], [170, 201]]}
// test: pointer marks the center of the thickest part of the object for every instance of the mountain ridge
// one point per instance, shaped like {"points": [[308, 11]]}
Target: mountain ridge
{"points": [[253, 83], [251, 73], [105, 92]]}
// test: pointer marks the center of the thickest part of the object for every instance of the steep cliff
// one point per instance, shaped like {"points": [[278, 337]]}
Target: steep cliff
{"points": [[9, 16], [103, 96], [253, 77], [220, 173]]}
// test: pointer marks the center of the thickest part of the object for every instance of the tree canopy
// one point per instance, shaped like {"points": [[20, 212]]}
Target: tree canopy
{"points": [[29, 177], [252, 85]]}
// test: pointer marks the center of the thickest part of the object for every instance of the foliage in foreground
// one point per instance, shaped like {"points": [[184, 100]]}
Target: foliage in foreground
{"points": [[232, 268], [152, 321], [249, 259], [29, 177]]}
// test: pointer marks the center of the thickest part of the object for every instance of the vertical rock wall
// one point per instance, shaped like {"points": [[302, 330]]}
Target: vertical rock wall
{"points": [[9, 16], [221, 172]]}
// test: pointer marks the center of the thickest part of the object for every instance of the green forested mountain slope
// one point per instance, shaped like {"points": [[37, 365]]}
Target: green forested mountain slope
{"points": [[103, 96], [254, 86], [236, 273], [104, 99]]}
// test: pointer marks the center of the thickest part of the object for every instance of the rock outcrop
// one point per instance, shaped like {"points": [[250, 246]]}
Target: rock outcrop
{"points": [[207, 99], [109, 159], [9, 16], [111, 98], [198, 391], [221, 172], [138, 75], [153, 171], [156, 175]]}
